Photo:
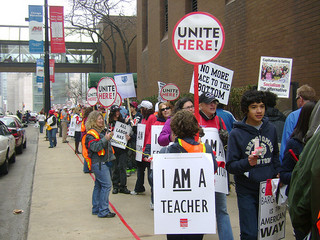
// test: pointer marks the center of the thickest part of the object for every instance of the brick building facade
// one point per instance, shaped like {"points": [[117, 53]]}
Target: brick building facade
{"points": [[288, 29], [127, 26]]}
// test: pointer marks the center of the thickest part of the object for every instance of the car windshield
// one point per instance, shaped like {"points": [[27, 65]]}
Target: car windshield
{"points": [[9, 122]]}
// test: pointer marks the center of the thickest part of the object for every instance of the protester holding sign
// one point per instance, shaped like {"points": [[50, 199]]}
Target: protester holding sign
{"points": [[185, 127], [253, 157], [182, 104], [136, 118], [77, 129], [148, 119], [165, 111], [208, 118], [97, 144], [119, 168]]}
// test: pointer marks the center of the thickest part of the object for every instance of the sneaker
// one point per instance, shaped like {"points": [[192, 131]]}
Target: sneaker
{"points": [[151, 206], [125, 191], [136, 193], [115, 191], [109, 215]]}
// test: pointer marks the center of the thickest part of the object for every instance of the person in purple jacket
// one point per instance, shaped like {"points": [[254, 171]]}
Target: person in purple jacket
{"points": [[165, 136]]}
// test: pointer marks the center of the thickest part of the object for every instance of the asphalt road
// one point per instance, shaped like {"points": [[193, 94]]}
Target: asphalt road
{"points": [[16, 188]]}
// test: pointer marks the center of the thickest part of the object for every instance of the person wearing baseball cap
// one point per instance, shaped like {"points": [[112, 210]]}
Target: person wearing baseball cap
{"points": [[208, 118]]}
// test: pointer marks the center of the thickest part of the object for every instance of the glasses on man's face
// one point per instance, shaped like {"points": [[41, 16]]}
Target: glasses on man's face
{"points": [[189, 107], [297, 97], [164, 109]]}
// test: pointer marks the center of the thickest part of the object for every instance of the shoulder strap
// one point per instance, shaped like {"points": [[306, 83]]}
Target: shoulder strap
{"points": [[220, 123]]}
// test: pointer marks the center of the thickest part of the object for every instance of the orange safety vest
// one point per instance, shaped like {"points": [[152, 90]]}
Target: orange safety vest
{"points": [[192, 148], [83, 126], [85, 152]]}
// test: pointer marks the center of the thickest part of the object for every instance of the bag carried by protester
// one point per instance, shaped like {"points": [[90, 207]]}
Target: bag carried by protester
{"points": [[223, 134]]}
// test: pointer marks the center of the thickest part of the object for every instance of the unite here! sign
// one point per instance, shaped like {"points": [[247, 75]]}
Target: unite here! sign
{"points": [[106, 91], [198, 38]]}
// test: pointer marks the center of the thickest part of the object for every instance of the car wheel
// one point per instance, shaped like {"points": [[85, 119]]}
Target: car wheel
{"points": [[25, 144], [13, 158], [4, 168], [19, 149]]}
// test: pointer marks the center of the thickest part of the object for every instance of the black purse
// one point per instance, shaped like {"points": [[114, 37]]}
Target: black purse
{"points": [[223, 134]]}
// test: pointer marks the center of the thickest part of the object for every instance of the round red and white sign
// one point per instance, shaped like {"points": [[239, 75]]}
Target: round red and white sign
{"points": [[92, 98], [198, 38], [106, 91], [118, 100], [170, 92]]}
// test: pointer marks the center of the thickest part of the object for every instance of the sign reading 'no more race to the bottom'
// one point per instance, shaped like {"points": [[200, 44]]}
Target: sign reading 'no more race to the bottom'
{"points": [[106, 91], [198, 38]]}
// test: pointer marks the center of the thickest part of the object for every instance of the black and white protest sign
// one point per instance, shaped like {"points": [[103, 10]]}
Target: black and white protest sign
{"points": [[211, 137], [272, 217], [141, 130], [119, 135], [184, 201], [214, 79]]}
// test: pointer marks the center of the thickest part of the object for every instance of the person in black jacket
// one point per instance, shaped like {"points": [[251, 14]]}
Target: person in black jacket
{"points": [[253, 157], [119, 168]]}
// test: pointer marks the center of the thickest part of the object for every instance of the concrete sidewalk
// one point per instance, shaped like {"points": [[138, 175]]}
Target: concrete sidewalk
{"points": [[61, 202]]}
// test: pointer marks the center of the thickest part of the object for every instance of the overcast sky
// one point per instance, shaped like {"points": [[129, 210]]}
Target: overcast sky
{"points": [[14, 12]]}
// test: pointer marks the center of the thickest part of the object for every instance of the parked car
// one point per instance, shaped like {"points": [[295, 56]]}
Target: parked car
{"points": [[17, 129], [7, 149]]}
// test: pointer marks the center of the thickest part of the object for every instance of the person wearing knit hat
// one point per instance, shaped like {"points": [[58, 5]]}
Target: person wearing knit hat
{"points": [[146, 104]]}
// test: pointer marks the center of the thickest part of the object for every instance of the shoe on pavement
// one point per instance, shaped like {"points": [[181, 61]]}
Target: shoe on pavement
{"points": [[50, 147], [125, 191], [136, 193], [151, 206], [109, 215], [65, 141], [115, 191]]}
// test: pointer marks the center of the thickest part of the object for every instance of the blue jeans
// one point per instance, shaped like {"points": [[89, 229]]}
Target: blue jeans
{"points": [[223, 220], [41, 124], [52, 137], [101, 190], [248, 205]]}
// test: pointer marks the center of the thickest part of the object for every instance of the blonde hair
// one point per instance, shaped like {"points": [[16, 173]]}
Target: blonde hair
{"points": [[92, 121]]}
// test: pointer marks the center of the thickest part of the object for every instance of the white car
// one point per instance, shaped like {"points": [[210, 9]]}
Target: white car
{"points": [[7, 148]]}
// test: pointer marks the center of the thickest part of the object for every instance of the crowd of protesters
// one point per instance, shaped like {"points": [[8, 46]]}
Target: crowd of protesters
{"points": [[288, 143]]}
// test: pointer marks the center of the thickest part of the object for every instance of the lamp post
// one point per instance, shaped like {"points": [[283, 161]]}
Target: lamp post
{"points": [[47, 102]]}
